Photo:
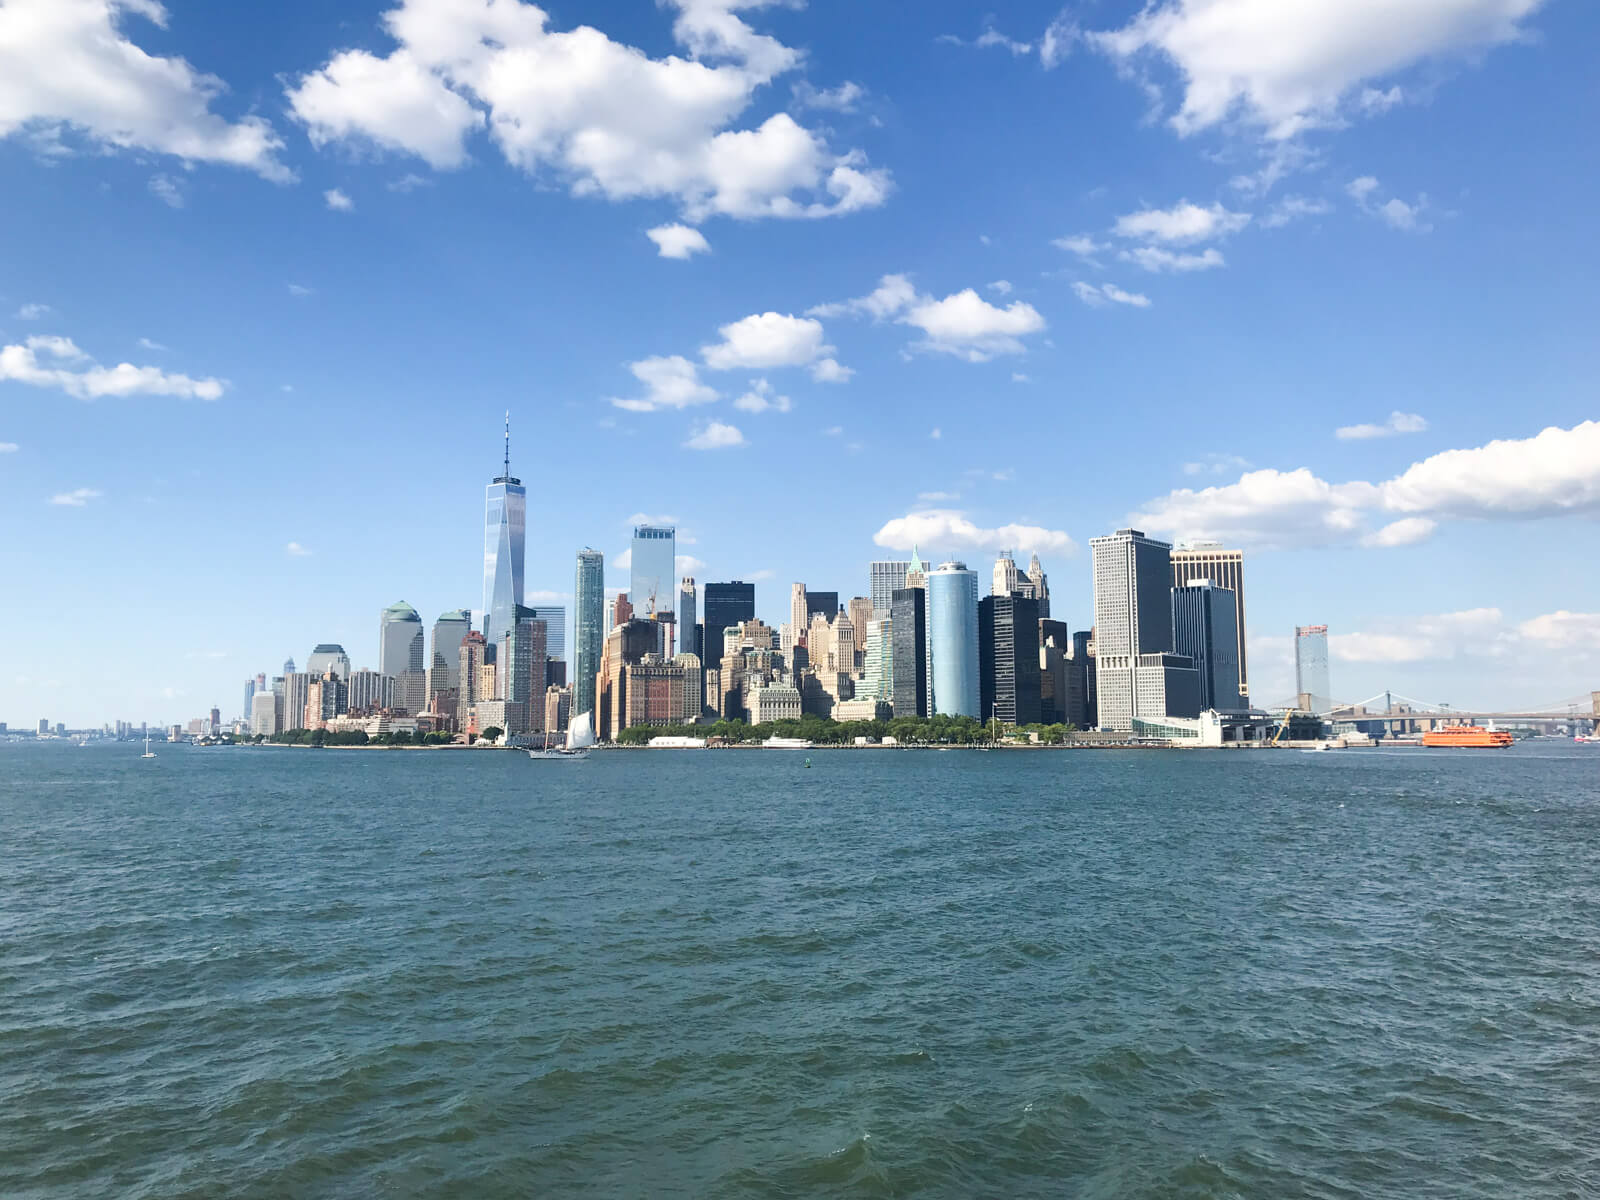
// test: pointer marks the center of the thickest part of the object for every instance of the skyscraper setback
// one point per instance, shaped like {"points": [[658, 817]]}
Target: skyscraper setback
{"points": [[505, 520], [1225, 569]]}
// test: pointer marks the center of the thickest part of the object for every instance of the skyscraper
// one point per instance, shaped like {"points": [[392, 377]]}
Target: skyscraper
{"points": [[1311, 683], [1137, 671], [522, 663], [326, 655], [860, 610], [726, 604], [652, 570], [1225, 569], [554, 617], [296, 691], [877, 677], [799, 617], [1041, 585], [884, 579], [588, 628], [688, 614], [505, 517], [826, 603], [1202, 629], [1008, 659], [444, 666], [401, 654], [1006, 575], [953, 635], [470, 672]]}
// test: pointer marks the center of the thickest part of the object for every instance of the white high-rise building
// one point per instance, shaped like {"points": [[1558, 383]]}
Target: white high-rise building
{"points": [[885, 578], [401, 655]]}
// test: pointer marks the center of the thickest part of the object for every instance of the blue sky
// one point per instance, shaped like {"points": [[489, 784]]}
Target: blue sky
{"points": [[812, 280]]}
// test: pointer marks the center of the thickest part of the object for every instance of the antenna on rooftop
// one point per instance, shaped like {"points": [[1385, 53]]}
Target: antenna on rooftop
{"points": [[508, 443]]}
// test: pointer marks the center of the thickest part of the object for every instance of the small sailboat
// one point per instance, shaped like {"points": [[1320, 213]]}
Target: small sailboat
{"points": [[580, 736], [147, 751]]}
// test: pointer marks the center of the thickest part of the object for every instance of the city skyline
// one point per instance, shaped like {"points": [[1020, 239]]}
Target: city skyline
{"points": [[1350, 342]]}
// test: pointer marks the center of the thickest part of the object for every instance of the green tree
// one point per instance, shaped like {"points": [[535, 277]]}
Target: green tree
{"points": [[492, 733]]}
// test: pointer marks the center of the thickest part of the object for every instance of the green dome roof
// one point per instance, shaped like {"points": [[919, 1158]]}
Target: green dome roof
{"points": [[400, 611]]}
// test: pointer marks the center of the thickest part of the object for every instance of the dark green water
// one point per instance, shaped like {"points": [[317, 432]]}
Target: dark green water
{"points": [[285, 973]]}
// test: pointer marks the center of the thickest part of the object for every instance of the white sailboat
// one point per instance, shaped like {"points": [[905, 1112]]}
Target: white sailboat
{"points": [[580, 736], [147, 752]]}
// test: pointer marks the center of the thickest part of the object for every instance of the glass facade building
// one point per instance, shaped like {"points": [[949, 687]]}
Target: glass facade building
{"points": [[1225, 569], [1008, 659], [653, 570], [588, 628], [1311, 682], [953, 638], [401, 655], [327, 654], [1203, 629], [505, 519], [688, 614], [554, 617], [726, 604], [1132, 627]]}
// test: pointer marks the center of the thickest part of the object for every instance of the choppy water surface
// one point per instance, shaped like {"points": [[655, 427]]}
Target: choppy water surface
{"points": [[290, 973]]}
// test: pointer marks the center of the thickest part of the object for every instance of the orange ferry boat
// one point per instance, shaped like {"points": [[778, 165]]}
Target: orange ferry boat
{"points": [[1467, 736]]}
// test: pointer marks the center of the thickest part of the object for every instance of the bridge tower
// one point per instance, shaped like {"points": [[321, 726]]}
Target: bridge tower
{"points": [[1594, 703]]}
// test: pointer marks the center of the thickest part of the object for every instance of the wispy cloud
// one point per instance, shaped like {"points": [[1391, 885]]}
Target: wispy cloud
{"points": [[338, 200], [1398, 422], [77, 498], [715, 435], [296, 550]]}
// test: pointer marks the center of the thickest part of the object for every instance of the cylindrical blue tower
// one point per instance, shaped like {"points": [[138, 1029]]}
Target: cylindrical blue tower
{"points": [[953, 636]]}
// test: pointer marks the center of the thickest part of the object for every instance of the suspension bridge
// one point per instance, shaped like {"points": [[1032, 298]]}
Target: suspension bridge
{"points": [[1405, 714]]}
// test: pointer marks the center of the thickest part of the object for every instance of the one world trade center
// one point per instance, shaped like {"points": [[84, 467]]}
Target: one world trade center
{"points": [[505, 518]]}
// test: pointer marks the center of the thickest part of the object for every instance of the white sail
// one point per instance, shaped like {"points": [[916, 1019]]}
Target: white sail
{"points": [[580, 734]]}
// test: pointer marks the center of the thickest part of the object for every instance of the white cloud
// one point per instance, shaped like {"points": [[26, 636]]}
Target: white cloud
{"points": [[1155, 259], [1376, 100], [843, 98], [70, 65], [1289, 67], [761, 397], [149, 344], [640, 518], [408, 182], [77, 498], [296, 550], [1563, 630], [833, 431], [1473, 632], [1398, 422], [1407, 531], [1019, 377], [765, 340], [33, 312], [1181, 224], [938, 497], [55, 362], [1394, 212], [605, 116], [688, 564], [299, 289], [1557, 471], [1003, 286], [166, 189], [1097, 296], [963, 323], [678, 241], [989, 38], [1293, 208], [829, 370], [1059, 37], [951, 530], [894, 294], [715, 436], [1216, 464], [671, 381], [338, 200], [969, 327], [1084, 246], [1554, 473], [9, 447]]}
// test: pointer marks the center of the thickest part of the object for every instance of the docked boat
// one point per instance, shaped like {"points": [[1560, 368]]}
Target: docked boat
{"points": [[1468, 737], [580, 737]]}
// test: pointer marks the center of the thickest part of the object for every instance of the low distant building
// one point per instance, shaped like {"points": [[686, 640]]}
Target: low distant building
{"points": [[655, 691], [263, 714], [557, 708], [773, 702], [866, 709]]}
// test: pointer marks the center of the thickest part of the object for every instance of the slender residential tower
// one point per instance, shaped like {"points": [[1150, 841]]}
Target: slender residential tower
{"points": [[505, 517], [588, 628]]}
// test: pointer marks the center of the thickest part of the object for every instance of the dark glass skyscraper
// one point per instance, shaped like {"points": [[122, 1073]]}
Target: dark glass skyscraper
{"points": [[908, 609], [726, 604], [826, 603], [588, 628], [1008, 658], [505, 519]]}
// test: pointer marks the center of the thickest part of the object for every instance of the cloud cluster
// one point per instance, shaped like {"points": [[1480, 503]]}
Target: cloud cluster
{"points": [[1099, 295], [1166, 240], [671, 381], [607, 117], [715, 435], [69, 65], [1288, 67], [1471, 633], [76, 498], [56, 362], [1553, 473], [1398, 422], [962, 324], [946, 529], [1393, 212]]}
